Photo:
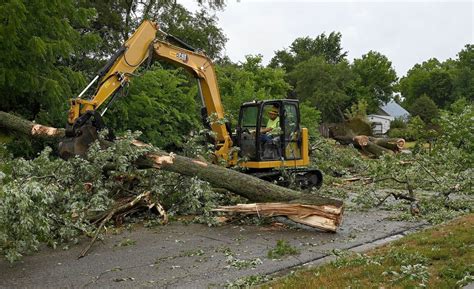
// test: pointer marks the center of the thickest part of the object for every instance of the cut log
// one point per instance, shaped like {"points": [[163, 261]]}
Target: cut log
{"points": [[326, 218], [252, 188], [376, 150], [345, 139], [394, 144], [363, 142]]}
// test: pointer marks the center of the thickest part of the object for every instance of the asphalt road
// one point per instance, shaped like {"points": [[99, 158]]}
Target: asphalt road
{"points": [[190, 256]]}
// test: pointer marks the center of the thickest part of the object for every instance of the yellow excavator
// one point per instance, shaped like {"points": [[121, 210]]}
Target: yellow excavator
{"points": [[270, 158]]}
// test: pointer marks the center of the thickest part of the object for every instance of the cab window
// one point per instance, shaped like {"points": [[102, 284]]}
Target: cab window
{"points": [[249, 116]]}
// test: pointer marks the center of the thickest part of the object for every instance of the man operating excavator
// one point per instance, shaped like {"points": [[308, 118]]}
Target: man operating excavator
{"points": [[273, 126]]}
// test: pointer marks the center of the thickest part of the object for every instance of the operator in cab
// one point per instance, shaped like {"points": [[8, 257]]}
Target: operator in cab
{"points": [[273, 126]]}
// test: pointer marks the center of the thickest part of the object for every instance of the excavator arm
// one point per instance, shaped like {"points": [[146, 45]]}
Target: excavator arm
{"points": [[116, 74]]}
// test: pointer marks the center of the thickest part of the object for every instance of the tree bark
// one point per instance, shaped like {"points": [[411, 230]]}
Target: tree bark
{"points": [[250, 187], [247, 186], [394, 144], [364, 143], [376, 150], [15, 123]]}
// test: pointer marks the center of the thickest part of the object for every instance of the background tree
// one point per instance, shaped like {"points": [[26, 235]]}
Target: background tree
{"points": [[375, 79], [443, 82], [247, 81], [304, 48], [463, 74], [38, 41], [117, 19], [417, 81], [328, 87], [425, 108], [159, 105], [200, 29]]}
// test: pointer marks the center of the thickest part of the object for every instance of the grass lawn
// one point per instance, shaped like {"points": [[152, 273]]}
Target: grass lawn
{"points": [[412, 144], [439, 257]]}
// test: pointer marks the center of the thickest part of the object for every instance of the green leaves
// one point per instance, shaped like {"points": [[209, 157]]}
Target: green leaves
{"points": [[161, 105], [324, 85], [375, 79], [443, 82], [249, 81], [38, 41]]}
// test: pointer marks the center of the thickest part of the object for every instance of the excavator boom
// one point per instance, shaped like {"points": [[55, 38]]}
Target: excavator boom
{"points": [[84, 118]]}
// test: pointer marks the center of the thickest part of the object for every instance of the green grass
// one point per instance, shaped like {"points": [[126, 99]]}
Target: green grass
{"points": [[440, 257], [412, 144], [409, 144]]}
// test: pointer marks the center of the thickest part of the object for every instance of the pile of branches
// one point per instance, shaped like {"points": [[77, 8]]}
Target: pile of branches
{"points": [[434, 186], [49, 200]]}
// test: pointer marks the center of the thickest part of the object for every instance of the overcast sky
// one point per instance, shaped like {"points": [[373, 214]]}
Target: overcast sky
{"points": [[406, 32]]}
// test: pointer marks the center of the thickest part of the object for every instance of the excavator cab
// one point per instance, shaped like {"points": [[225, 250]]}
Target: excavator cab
{"points": [[282, 143], [284, 147]]}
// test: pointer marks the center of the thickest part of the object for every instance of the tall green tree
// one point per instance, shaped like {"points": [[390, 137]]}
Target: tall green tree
{"points": [[328, 87], [117, 19], [248, 81], [38, 40], [463, 74], [425, 108], [375, 79], [418, 81], [444, 82], [199, 29], [304, 48], [326, 47]]}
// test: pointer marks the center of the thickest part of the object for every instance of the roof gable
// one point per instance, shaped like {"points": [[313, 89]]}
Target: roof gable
{"points": [[392, 108]]}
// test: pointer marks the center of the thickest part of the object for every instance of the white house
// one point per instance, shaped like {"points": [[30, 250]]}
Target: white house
{"points": [[380, 123], [385, 114]]}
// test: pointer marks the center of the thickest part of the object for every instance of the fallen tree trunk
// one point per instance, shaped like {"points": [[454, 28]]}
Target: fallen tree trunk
{"points": [[247, 186], [250, 187], [15, 123]]}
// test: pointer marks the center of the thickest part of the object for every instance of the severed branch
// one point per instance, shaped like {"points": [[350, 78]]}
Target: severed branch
{"points": [[375, 146], [117, 210], [414, 207], [322, 217], [397, 196]]}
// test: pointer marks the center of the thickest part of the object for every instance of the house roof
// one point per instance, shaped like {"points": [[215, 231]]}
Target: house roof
{"points": [[392, 108]]}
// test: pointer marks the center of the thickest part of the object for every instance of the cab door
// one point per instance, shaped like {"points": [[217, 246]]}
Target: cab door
{"points": [[291, 131], [246, 136]]}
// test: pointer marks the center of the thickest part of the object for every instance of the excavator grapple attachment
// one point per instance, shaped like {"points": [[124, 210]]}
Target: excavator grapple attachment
{"points": [[79, 142]]}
